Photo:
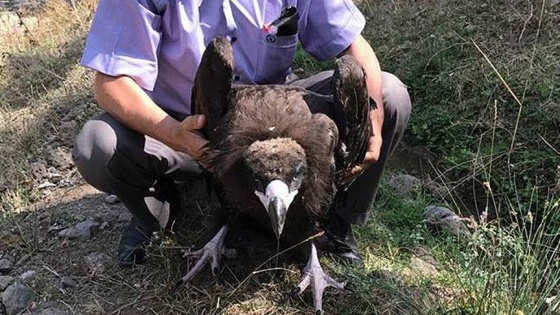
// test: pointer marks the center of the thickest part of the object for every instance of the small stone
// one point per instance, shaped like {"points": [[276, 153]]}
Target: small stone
{"points": [[46, 184], [405, 185], [59, 157], [95, 262], [28, 276], [6, 265], [112, 199], [124, 217], [54, 176], [67, 282], [83, 230], [16, 298], [5, 281], [422, 266], [435, 189], [441, 218], [39, 170]]}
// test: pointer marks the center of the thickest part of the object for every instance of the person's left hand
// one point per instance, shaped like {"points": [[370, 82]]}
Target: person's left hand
{"points": [[373, 151], [375, 139]]}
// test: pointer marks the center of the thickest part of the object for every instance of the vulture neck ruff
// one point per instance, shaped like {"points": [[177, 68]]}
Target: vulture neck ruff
{"points": [[262, 114]]}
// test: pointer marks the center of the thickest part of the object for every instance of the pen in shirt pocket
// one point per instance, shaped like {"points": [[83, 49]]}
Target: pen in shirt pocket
{"points": [[286, 24]]}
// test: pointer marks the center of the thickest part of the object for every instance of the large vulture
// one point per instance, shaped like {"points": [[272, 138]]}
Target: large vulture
{"points": [[273, 160]]}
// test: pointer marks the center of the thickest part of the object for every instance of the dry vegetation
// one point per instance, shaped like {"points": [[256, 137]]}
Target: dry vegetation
{"points": [[484, 78], [497, 136]]}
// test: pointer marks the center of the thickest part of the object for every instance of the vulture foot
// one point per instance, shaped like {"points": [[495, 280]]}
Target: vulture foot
{"points": [[214, 250], [313, 274]]}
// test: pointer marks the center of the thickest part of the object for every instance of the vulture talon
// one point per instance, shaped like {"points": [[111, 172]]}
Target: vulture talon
{"points": [[314, 275], [178, 284], [295, 291], [212, 250], [290, 295]]}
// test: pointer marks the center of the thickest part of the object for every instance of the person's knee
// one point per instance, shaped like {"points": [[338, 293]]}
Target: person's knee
{"points": [[94, 146], [395, 97]]}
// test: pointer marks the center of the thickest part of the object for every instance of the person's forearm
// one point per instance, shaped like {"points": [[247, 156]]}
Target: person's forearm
{"points": [[125, 100], [365, 55]]}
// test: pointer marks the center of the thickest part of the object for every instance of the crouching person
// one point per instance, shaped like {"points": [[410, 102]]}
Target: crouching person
{"points": [[146, 54]]}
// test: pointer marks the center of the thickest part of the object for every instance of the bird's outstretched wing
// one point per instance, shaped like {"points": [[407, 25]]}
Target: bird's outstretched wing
{"points": [[212, 85], [352, 107]]}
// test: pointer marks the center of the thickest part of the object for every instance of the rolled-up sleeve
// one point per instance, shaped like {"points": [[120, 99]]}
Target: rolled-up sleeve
{"points": [[123, 40], [327, 27]]}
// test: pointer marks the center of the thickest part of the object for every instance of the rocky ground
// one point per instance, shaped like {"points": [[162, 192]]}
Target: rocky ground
{"points": [[60, 250], [57, 253]]}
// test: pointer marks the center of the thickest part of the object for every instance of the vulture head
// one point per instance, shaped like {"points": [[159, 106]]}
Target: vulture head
{"points": [[277, 168]]}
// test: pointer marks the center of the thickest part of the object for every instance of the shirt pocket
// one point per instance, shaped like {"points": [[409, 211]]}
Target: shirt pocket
{"points": [[275, 57]]}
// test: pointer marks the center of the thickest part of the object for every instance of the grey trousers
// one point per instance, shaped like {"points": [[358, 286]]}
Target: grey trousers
{"points": [[142, 171], [138, 169]]}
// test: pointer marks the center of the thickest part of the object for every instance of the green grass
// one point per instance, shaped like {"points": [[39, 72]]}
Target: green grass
{"points": [[462, 110]]}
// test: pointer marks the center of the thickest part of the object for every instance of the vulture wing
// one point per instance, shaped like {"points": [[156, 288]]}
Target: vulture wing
{"points": [[212, 85], [352, 107]]}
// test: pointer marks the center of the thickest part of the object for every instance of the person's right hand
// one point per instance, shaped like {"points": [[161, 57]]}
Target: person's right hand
{"points": [[189, 138]]}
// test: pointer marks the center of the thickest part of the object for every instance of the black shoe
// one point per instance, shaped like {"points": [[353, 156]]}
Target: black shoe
{"points": [[132, 248], [341, 242]]}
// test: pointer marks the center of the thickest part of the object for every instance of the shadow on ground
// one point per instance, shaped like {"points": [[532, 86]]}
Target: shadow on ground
{"points": [[251, 284]]}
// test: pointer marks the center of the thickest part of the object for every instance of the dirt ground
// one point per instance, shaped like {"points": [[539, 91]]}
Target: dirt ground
{"points": [[81, 276]]}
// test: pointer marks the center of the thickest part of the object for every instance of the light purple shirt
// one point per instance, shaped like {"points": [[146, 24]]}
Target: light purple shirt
{"points": [[159, 43]]}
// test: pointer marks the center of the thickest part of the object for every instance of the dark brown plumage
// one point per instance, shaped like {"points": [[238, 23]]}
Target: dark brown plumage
{"points": [[263, 113], [273, 160]]}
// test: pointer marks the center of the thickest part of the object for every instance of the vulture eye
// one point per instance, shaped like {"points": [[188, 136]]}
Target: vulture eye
{"points": [[299, 171], [298, 177], [258, 183]]}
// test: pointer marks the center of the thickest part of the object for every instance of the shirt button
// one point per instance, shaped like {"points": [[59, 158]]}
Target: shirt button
{"points": [[270, 38], [236, 77], [233, 39]]}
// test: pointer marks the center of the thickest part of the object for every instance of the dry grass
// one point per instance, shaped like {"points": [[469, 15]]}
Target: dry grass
{"points": [[463, 111], [45, 96], [42, 86]]}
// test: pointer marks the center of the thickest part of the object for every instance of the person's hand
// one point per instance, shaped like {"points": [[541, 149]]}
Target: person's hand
{"points": [[189, 138], [375, 139], [373, 151]]}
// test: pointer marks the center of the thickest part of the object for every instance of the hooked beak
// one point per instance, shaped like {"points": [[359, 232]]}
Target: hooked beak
{"points": [[277, 199]]}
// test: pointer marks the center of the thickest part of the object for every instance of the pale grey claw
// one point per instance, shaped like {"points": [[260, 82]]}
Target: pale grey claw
{"points": [[313, 274], [212, 250]]}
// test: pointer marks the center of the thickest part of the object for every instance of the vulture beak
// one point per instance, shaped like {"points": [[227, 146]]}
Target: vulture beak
{"points": [[277, 199]]}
